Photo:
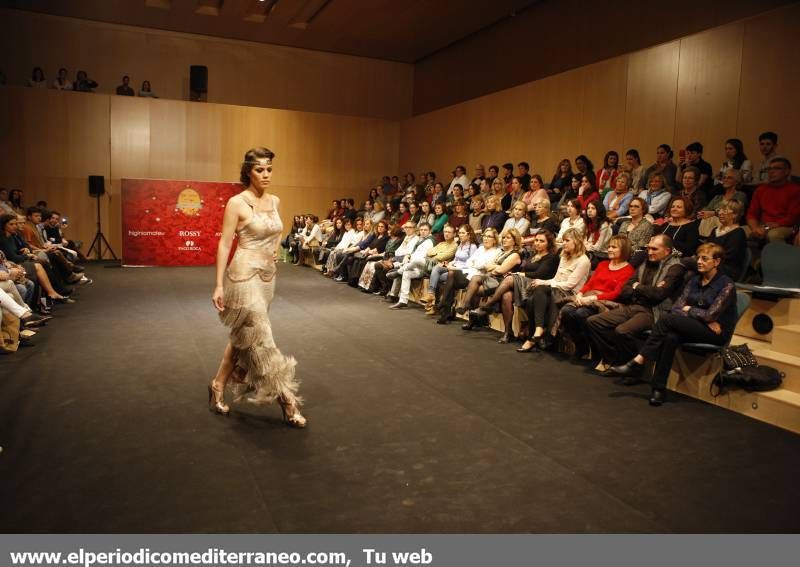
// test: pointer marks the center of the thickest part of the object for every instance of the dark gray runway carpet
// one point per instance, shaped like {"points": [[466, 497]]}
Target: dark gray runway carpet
{"points": [[413, 428]]}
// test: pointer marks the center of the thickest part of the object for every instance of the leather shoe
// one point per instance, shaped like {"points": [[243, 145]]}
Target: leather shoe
{"points": [[479, 312], [657, 397], [468, 325], [630, 369], [399, 305]]}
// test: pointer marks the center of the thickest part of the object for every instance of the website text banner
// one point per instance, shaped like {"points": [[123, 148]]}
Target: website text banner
{"points": [[172, 223], [397, 550]]}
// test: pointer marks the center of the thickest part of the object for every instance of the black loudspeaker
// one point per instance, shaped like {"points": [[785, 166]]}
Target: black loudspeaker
{"points": [[198, 79], [97, 185]]}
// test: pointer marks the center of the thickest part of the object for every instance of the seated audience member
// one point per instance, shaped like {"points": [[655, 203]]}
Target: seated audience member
{"points": [[16, 251], [378, 212], [366, 278], [587, 192], [414, 212], [704, 313], [402, 253], [731, 183], [457, 194], [298, 224], [362, 241], [310, 239], [460, 178], [598, 232], [488, 278], [464, 250], [682, 227], [514, 195], [571, 192], [6, 208], [585, 166], [519, 218], [331, 240], [616, 201], [494, 171], [536, 192], [546, 295], [411, 268], [29, 231], [573, 221], [633, 167], [656, 196], [439, 219], [52, 229], [426, 214], [83, 83], [598, 293], [665, 166], [638, 230], [392, 215], [477, 214], [125, 89], [498, 189], [403, 216], [541, 264], [644, 298], [15, 199], [480, 174], [438, 195], [542, 219], [607, 176], [775, 208], [562, 180], [353, 233], [690, 192], [523, 172], [768, 146], [146, 91], [735, 159], [61, 82], [458, 278], [459, 215], [731, 237], [16, 274], [356, 263], [37, 78], [495, 216], [693, 157]]}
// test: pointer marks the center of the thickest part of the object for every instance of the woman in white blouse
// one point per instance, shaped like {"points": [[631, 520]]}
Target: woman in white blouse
{"points": [[573, 221], [542, 306], [518, 219], [308, 239]]}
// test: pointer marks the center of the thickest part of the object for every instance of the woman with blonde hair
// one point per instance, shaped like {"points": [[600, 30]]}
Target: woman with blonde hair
{"points": [[518, 219], [546, 295], [495, 217], [489, 276]]}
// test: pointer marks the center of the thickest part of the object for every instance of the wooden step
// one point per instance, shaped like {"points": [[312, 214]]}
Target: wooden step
{"points": [[786, 339], [692, 375], [783, 312]]}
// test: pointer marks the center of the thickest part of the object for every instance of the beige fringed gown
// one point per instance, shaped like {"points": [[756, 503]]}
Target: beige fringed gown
{"points": [[260, 369]]}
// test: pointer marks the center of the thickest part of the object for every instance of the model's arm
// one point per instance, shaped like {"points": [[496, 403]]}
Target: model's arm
{"points": [[229, 222]]}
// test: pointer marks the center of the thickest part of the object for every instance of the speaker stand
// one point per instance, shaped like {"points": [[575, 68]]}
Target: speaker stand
{"points": [[100, 239]]}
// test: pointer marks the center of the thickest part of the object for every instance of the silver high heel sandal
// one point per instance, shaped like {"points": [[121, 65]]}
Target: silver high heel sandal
{"points": [[216, 400], [291, 414]]}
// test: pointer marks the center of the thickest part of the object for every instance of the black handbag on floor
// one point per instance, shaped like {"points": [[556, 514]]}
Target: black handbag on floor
{"points": [[740, 369]]}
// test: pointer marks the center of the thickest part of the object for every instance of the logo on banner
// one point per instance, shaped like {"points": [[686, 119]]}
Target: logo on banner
{"points": [[189, 202]]}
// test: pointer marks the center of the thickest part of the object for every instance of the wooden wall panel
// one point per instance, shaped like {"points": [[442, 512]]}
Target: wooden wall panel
{"points": [[733, 81], [242, 73], [709, 74], [61, 138], [769, 91], [651, 99], [603, 89]]}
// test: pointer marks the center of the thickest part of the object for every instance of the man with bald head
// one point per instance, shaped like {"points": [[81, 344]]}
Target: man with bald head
{"points": [[645, 297]]}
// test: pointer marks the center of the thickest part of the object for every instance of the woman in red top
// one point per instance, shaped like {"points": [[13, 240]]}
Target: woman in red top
{"points": [[607, 176], [587, 192], [604, 285], [404, 214]]}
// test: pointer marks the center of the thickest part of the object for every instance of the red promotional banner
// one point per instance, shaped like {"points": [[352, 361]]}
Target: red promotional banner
{"points": [[172, 223]]}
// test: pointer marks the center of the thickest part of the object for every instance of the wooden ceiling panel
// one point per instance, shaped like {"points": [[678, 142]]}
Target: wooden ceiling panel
{"points": [[404, 31]]}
